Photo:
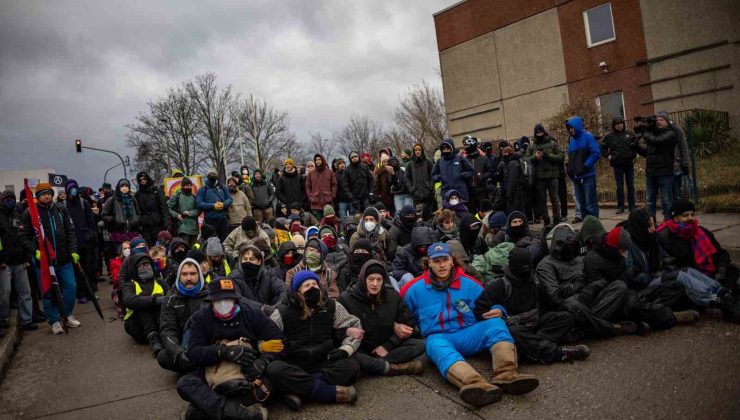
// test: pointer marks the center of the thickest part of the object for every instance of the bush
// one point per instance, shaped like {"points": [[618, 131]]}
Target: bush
{"points": [[710, 132], [593, 119]]}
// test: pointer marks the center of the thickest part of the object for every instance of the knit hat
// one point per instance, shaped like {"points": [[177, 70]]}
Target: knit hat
{"points": [[519, 257], [682, 206], [298, 240], [329, 210], [374, 267], [137, 241], [363, 244], [249, 223], [664, 115], [42, 188], [214, 247], [618, 238], [164, 236], [380, 206], [289, 161], [302, 276], [497, 219], [295, 206], [485, 205], [197, 255], [353, 154], [408, 210]]}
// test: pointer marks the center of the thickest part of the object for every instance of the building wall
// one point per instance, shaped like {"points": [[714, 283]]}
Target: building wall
{"points": [[470, 74], [15, 178]]}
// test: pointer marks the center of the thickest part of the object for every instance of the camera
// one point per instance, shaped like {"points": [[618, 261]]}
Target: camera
{"points": [[645, 123]]}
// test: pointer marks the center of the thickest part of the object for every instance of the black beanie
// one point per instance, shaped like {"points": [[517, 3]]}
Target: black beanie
{"points": [[380, 206], [185, 182], [485, 205], [518, 258], [363, 244], [681, 206], [375, 268], [248, 223]]}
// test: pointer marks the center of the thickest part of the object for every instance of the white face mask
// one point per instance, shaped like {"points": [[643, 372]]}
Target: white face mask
{"points": [[369, 226], [223, 306], [454, 202], [126, 252]]}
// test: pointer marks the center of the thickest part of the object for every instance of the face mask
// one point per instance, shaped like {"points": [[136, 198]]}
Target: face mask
{"points": [[160, 265], [518, 231], [523, 273], [329, 241], [126, 252], [223, 308], [359, 259], [408, 221], [250, 270], [370, 226], [570, 250], [288, 260], [312, 297], [142, 250], [421, 250], [187, 191], [212, 179], [295, 228], [446, 152], [313, 261], [179, 255], [216, 263], [145, 273], [454, 202], [73, 192]]}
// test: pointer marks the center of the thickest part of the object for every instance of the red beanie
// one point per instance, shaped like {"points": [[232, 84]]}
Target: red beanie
{"points": [[618, 238]]}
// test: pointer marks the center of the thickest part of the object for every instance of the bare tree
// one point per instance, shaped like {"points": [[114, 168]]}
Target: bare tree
{"points": [[361, 134], [322, 145], [396, 140], [149, 160], [421, 116], [265, 132], [217, 132]]}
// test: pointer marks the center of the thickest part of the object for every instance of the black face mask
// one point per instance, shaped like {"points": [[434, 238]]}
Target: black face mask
{"points": [[518, 231], [179, 255], [312, 297], [524, 273], [408, 221], [358, 260], [250, 270], [570, 250]]}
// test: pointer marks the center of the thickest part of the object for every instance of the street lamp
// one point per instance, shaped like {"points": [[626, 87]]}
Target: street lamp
{"points": [[79, 147]]}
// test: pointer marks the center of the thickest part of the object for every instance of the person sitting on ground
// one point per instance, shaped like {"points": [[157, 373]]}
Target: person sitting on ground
{"points": [[517, 232], [454, 201], [162, 270], [360, 253], [385, 215], [306, 218], [537, 334], [183, 300], [128, 271], [314, 259], [164, 238], [443, 301], [287, 258], [178, 251], [257, 282], [491, 264], [369, 228], [407, 264], [114, 264], [143, 296], [388, 346], [470, 227], [336, 252], [401, 227], [219, 264], [311, 232], [496, 222], [446, 225], [246, 234], [330, 218]]}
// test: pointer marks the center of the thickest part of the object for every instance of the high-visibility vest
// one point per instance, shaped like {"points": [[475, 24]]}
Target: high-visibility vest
{"points": [[227, 270], [156, 290]]}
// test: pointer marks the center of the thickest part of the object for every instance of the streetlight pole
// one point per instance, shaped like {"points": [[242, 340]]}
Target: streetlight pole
{"points": [[112, 167], [78, 144]]}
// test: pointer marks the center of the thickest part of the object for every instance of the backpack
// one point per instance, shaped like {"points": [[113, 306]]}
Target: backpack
{"points": [[526, 171]]}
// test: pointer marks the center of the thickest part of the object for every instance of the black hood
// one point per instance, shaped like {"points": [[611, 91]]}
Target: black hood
{"points": [[149, 181], [179, 241], [618, 120], [468, 235], [637, 225], [137, 259], [422, 235], [558, 237], [286, 247], [120, 183], [359, 289], [516, 215]]}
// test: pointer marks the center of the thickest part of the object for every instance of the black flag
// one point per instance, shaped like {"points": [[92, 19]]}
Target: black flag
{"points": [[57, 180]]}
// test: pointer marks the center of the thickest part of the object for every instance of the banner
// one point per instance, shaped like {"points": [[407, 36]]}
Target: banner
{"points": [[57, 180], [172, 185]]}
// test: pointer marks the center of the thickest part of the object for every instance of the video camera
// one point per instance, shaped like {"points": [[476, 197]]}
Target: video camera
{"points": [[645, 124]]}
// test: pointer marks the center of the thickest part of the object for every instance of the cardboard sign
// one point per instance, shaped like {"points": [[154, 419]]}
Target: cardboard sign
{"points": [[172, 185]]}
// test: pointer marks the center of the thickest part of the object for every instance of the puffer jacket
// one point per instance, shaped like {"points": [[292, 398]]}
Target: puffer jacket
{"points": [[619, 146], [266, 288], [418, 177], [321, 186], [453, 172], [152, 204], [407, 259], [559, 278], [583, 151], [490, 264], [660, 151], [176, 312], [290, 188]]}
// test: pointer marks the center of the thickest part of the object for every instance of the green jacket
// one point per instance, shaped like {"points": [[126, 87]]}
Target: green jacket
{"points": [[549, 166], [490, 264], [180, 203]]}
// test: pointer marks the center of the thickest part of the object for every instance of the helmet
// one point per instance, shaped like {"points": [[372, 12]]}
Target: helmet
{"points": [[470, 142]]}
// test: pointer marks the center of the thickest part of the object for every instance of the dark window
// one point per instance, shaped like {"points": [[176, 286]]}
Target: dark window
{"points": [[599, 25]]}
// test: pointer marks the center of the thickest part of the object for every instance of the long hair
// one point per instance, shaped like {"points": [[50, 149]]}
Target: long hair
{"points": [[456, 262], [305, 310]]}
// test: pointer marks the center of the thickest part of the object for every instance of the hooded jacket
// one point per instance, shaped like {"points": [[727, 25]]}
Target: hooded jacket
{"points": [[184, 203], [263, 192], [336, 256], [418, 177], [482, 172], [114, 215], [407, 259], [528, 241], [238, 238], [583, 151], [14, 250], [177, 310], [357, 181], [82, 216], [266, 288], [378, 237], [382, 185], [152, 204], [549, 166], [469, 229], [321, 186], [643, 257], [460, 208], [399, 234], [208, 195], [282, 269], [559, 276], [377, 315], [328, 276], [453, 171], [520, 298], [490, 264], [619, 146], [240, 206], [59, 230], [143, 301], [290, 187]]}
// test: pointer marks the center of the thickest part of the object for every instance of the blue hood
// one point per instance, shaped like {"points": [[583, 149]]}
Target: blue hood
{"points": [[456, 192], [577, 124]]}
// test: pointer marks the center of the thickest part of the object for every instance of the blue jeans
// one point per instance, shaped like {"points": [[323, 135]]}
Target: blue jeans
{"points": [[585, 191], [625, 174], [446, 349], [66, 279], [400, 200], [342, 209], [19, 277], [700, 288], [576, 206], [664, 183]]}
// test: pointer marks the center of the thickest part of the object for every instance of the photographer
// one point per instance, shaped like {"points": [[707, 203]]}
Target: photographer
{"points": [[660, 139], [619, 148]]}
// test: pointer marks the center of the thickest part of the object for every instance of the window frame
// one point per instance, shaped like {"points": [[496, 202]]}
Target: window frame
{"points": [[621, 95], [590, 44]]}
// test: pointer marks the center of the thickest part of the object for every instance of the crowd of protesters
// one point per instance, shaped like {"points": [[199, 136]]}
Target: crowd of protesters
{"points": [[291, 287]]}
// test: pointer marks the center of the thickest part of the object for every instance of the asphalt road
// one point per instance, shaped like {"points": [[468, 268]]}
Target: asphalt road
{"points": [[98, 372]]}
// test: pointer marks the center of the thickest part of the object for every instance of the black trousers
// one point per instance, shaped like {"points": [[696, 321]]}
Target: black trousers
{"points": [[595, 317], [150, 233], [475, 198], [221, 226], [408, 350], [194, 389], [141, 323], [288, 378], [87, 262], [563, 196], [654, 304], [542, 187], [540, 343]]}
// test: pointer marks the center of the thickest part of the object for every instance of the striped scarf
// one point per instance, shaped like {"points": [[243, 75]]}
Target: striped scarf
{"points": [[700, 243]]}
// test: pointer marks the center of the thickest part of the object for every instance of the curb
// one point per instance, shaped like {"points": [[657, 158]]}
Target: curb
{"points": [[9, 343]]}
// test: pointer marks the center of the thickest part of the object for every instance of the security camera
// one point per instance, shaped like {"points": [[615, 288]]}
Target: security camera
{"points": [[604, 66]]}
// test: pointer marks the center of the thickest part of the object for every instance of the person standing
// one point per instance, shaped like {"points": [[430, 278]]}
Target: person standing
{"points": [[264, 193], [85, 229], [482, 173], [419, 180], [122, 215], [583, 153], [321, 186], [240, 208], [342, 198], [184, 211], [619, 148], [357, 182], [215, 200], [547, 157], [153, 206], [659, 150], [452, 170]]}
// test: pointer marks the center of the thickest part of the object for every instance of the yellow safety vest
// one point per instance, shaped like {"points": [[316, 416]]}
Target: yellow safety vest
{"points": [[227, 270], [156, 290]]}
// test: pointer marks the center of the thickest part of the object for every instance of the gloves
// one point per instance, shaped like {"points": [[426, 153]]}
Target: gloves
{"points": [[38, 255], [337, 354], [75, 257], [271, 346], [183, 361], [236, 354], [685, 170], [218, 206]]}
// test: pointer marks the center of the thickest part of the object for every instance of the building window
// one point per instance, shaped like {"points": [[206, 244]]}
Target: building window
{"points": [[599, 25], [611, 104]]}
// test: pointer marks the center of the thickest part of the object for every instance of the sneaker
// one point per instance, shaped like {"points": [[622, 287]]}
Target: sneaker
{"points": [[576, 220], [29, 327], [72, 322], [56, 328], [82, 300]]}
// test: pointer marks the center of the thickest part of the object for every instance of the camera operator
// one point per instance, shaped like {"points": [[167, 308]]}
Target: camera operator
{"points": [[660, 139], [619, 148]]}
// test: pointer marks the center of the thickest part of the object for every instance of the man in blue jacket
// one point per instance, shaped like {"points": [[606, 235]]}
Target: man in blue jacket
{"points": [[215, 200], [583, 153], [453, 171], [443, 301]]}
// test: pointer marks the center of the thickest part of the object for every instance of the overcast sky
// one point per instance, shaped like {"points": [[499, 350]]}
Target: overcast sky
{"points": [[84, 69]]}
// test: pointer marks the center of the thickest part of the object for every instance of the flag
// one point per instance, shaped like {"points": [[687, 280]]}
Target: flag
{"points": [[44, 266], [57, 180]]}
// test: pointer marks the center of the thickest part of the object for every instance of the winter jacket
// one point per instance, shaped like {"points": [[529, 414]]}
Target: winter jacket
{"points": [[343, 194], [519, 297], [115, 217], [82, 217], [208, 195], [549, 166], [290, 187], [357, 181], [175, 314], [446, 311], [682, 250], [184, 203], [398, 236], [419, 178], [491, 264], [619, 146], [238, 238], [559, 279], [152, 204], [398, 181], [583, 151], [143, 301], [377, 315], [601, 268], [512, 182], [321, 186], [14, 250], [240, 207], [378, 237], [382, 186], [281, 270], [266, 288], [482, 172], [453, 172], [407, 259], [328, 277], [681, 160], [263, 194], [659, 151], [58, 228]]}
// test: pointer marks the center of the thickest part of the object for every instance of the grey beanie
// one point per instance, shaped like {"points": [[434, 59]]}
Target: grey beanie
{"points": [[214, 247]]}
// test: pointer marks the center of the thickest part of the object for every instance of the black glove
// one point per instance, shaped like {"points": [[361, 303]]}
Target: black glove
{"points": [[685, 170], [183, 361], [255, 370], [237, 354], [337, 354]]}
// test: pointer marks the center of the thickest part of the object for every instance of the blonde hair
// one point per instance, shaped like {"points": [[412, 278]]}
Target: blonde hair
{"points": [[157, 251]]}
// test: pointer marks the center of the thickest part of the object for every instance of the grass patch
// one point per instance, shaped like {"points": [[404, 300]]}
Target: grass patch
{"points": [[722, 203]]}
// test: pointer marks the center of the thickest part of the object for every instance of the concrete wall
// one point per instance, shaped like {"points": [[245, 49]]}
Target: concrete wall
{"points": [[523, 112]]}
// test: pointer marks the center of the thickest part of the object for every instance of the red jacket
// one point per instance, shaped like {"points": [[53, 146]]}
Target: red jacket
{"points": [[321, 187], [114, 266]]}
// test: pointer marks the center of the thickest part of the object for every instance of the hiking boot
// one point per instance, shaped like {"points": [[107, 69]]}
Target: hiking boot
{"points": [[686, 317], [474, 390], [193, 413], [505, 374], [415, 367], [29, 327], [620, 211], [571, 353], [292, 401], [72, 322], [235, 410], [576, 220], [643, 328], [154, 342], [56, 328], [625, 328], [346, 394]]}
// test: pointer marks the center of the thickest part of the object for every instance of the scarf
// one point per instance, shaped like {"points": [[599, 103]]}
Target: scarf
{"points": [[128, 207], [700, 243]]}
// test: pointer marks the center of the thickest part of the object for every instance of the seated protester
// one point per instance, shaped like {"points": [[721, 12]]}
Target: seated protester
{"points": [[407, 264], [591, 232], [182, 301], [311, 232], [561, 277], [491, 264], [384, 214], [459, 254], [454, 201], [143, 296], [314, 367], [282, 231], [517, 232], [443, 300], [162, 270], [330, 218], [257, 282], [469, 228], [206, 232], [296, 227], [536, 333], [314, 259], [388, 346], [369, 228], [485, 210], [266, 249], [446, 225], [231, 343], [178, 251], [114, 267], [300, 243], [287, 258], [127, 271], [360, 253], [400, 232], [336, 253], [200, 258], [164, 239], [271, 239], [249, 232], [281, 210], [217, 261], [490, 226], [306, 218]]}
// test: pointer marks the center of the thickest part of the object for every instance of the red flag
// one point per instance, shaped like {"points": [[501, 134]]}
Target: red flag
{"points": [[45, 266]]}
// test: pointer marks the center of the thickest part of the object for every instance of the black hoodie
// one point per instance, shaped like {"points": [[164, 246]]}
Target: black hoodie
{"points": [[152, 204], [144, 300], [407, 259], [419, 177], [357, 181], [618, 146]]}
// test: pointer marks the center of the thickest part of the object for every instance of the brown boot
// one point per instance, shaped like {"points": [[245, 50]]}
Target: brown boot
{"points": [[474, 390], [346, 394], [686, 317], [414, 367], [505, 374]]}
